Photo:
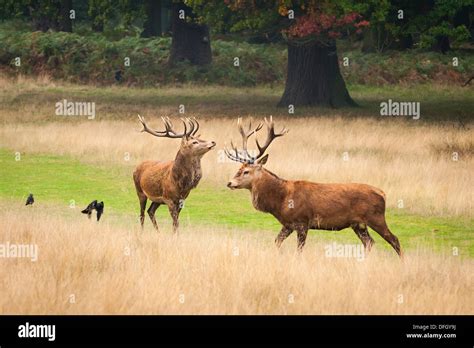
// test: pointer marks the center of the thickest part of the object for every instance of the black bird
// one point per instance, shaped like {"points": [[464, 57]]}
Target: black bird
{"points": [[118, 75], [89, 209], [98, 207], [30, 200]]}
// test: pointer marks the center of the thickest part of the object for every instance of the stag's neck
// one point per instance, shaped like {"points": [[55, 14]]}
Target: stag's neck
{"points": [[268, 193], [186, 172]]}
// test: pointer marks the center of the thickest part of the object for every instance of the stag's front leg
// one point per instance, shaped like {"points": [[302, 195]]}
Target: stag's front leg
{"points": [[284, 233], [175, 209], [302, 234]]}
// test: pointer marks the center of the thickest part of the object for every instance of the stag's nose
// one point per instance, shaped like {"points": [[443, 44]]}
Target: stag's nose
{"points": [[213, 143], [229, 184]]}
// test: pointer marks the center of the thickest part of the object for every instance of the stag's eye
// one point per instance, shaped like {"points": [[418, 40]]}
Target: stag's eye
{"points": [[195, 142], [246, 172]]}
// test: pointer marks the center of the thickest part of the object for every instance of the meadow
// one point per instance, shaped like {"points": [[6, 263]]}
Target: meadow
{"points": [[89, 268], [224, 260]]}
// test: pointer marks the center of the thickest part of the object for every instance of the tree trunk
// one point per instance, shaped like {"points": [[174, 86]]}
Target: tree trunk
{"points": [[190, 41], [65, 22], [405, 42], [41, 21], [98, 27], [442, 44], [462, 17], [369, 40], [314, 78], [152, 25]]}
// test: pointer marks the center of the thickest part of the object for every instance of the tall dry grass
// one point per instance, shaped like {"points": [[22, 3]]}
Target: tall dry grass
{"points": [[410, 161], [83, 267]]}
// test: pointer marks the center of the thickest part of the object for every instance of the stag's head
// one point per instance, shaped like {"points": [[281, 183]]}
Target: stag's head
{"points": [[252, 166], [191, 142]]}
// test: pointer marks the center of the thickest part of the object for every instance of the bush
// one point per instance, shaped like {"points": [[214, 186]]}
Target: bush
{"points": [[95, 58]]}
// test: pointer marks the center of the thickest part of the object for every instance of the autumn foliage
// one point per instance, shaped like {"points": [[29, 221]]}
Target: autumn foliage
{"points": [[321, 26]]}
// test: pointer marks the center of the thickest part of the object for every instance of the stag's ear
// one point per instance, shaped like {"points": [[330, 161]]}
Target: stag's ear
{"points": [[263, 160]]}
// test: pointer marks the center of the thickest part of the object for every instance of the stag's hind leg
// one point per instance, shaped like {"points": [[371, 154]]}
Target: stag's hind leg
{"points": [[364, 236], [151, 213], [142, 198], [284, 233], [380, 226]]}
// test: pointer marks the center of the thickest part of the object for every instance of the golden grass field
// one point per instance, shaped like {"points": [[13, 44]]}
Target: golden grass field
{"points": [[88, 268], [413, 164], [218, 270]]}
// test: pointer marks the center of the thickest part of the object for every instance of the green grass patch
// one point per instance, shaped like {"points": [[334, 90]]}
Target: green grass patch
{"points": [[61, 180]]}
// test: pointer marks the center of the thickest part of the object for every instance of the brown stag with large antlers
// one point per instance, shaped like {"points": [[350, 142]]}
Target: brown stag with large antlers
{"points": [[302, 205], [171, 182]]}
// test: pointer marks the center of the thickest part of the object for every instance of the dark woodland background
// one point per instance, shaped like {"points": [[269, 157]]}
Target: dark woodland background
{"points": [[198, 42]]}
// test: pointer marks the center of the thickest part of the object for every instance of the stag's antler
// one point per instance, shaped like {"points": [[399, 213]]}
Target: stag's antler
{"points": [[247, 158], [169, 132], [271, 135], [197, 126]]}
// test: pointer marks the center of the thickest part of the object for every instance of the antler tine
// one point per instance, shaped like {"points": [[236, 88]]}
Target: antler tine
{"points": [[271, 126], [147, 129], [185, 127], [243, 156], [197, 126], [246, 134], [167, 133], [188, 126], [271, 135], [235, 157], [193, 126], [168, 125]]}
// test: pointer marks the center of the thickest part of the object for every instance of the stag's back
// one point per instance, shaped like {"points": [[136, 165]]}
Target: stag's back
{"points": [[334, 206]]}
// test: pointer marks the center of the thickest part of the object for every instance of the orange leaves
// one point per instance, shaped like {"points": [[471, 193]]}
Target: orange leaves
{"points": [[325, 26], [282, 10]]}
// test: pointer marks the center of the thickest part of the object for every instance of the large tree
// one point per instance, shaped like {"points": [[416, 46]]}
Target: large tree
{"points": [[313, 76], [310, 28], [190, 37], [152, 25], [45, 15]]}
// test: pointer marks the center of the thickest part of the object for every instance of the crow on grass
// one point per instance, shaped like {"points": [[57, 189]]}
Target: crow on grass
{"points": [[30, 200], [98, 207]]}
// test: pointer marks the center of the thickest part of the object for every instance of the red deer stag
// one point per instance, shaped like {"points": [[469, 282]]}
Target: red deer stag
{"points": [[302, 205], [170, 182]]}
